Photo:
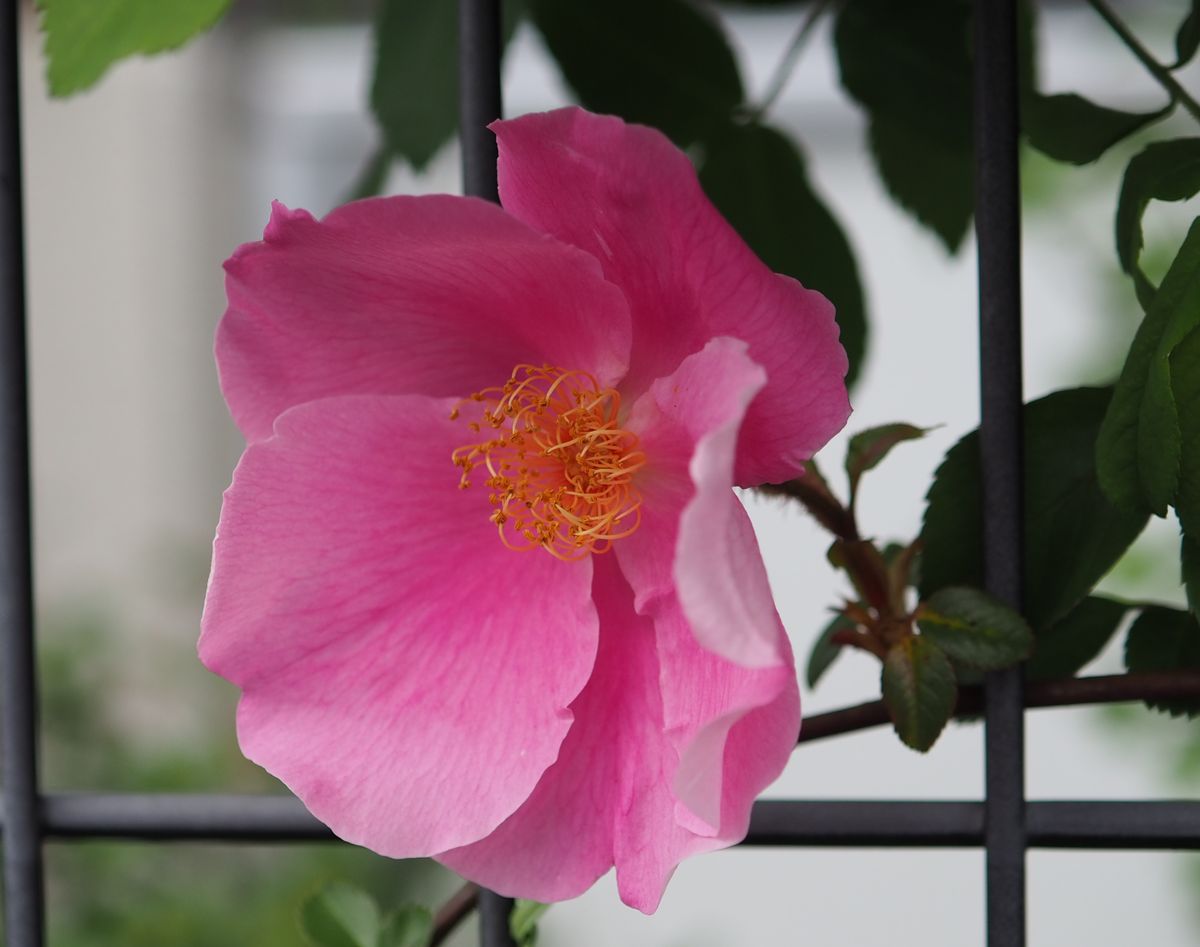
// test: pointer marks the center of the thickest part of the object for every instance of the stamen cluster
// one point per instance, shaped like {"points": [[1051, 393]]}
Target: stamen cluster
{"points": [[559, 466]]}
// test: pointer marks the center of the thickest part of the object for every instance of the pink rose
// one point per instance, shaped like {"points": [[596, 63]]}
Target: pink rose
{"points": [[536, 640]]}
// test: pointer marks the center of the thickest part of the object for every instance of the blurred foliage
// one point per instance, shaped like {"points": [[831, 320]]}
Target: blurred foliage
{"points": [[85, 37]]}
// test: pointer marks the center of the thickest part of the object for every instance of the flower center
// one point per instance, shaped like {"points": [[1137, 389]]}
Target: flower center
{"points": [[559, 466]]}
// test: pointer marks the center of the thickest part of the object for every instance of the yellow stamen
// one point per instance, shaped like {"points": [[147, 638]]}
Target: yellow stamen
{"points": [[560, 467]]}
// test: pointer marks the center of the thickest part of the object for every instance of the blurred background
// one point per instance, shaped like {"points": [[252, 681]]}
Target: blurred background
{"points": [[136, 192]]}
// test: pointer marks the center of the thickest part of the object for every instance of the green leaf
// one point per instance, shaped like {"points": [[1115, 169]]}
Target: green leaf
{"points": [[919, 691], [1163, 171], [1070, 128], [1070, 643], [908, 65], [409, 926], [414, 93], [664, 63], [1184, 372], [1187, 40], [85, 37], [1073, 534], [867, 448], [340, 915], [757, 179], [974, 629], [1165, 639], [824, 651], [1140, 447], [522, 922], [1189, 566]]}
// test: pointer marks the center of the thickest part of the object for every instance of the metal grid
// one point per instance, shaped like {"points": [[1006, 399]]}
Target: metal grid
{"points": [[1003, 823]]}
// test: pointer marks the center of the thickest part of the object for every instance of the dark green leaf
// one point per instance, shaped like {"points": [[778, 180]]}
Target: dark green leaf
{"points": [[1073, 534], [974, 629], [664, 63], [1163, 171], [1070, 643], [1072, 129], [85, 37], [340, 915], [757, 179], [908, 65], [522, 923], [919, 691], [414, 93], [410, 926], [1185, 388], [1187, 40], [867, 448], [824, 651], [1138, 453], [1165, 639], [1189, 566]]}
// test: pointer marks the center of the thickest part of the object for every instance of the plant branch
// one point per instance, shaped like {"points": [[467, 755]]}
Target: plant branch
{"points": [[1108, 689], [783, 71], [457, 908], [822, 505], [1153, 66]]}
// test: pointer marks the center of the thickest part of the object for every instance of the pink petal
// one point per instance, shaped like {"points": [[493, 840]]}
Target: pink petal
{"points": [[695, 540], [657, 710], [402, 671], [627, 196], [425, 295]]}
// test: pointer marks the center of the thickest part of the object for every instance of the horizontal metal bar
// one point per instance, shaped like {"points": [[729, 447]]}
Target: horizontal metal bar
{"points": [[1143, 825], [1155, 824], [1165, 824], [868, 823], [176, 816]]}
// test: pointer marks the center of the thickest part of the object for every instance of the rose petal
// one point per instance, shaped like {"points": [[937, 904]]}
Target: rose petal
{"points": [[630, 198], [427, 295], [611, 796], [695, 539], [658, 712], [403, 672]]}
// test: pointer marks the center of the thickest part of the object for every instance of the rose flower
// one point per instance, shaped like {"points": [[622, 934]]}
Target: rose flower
{"points": [[481, 575]]}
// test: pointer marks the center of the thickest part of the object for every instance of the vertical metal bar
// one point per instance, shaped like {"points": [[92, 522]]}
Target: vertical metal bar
{"points": [[494, 912], [23, 893], [998, 230], [480, 103], [479, 95]]}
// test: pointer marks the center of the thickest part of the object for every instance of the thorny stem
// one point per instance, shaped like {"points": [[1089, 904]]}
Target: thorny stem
{"points": [[1153, 66], [1106, 689], [783, 71]]}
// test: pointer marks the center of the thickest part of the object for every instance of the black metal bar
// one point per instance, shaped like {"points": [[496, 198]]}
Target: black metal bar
{"points": [[480, 102], [839, 823], [23, 877], [479, 93], [998, 231], [1142, 825], [1165, 824], [182, 817], [494, 912]]}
